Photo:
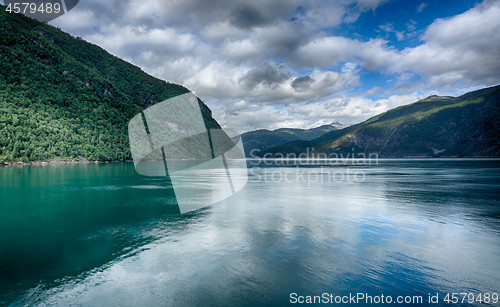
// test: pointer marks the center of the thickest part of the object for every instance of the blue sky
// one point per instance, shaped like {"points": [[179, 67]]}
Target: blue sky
{"points": [[301, 63], [401, 23]]}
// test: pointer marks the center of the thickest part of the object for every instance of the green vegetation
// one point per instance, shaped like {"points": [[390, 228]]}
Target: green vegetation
{"points": [[263, 139], [465, 126], [61, 97]]}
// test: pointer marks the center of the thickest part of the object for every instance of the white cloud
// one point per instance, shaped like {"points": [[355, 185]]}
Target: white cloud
{"points": [[211, 46], [399, 35], [241, 50], [244, 115], [77, 21], [352, 109], [326, 51], [466, 45]]}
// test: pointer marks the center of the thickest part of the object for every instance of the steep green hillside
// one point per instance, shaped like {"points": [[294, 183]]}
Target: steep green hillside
{"points": [[63, 97], [465, 126], [263, 139]]}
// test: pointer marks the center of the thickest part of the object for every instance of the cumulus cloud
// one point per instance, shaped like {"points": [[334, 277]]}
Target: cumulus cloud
{"points": [[348, 110], [302, 83], [272, 63], [247, 16], [267, 75], [466, 45]]}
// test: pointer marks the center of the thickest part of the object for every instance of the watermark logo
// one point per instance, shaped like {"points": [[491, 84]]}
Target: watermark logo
{"points": [[178, 139], [41, 10], [310, 167]]}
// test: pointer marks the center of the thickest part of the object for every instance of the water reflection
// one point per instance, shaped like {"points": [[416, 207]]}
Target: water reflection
{"points": [[410, 228]]}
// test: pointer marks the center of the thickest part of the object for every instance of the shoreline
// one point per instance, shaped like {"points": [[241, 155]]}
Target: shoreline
{"points": [[56, 162], [59, 162]]}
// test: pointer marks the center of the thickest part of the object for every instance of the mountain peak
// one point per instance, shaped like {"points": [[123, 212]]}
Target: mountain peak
{"points": [[438, 126], [436, 97], [338, 125]]}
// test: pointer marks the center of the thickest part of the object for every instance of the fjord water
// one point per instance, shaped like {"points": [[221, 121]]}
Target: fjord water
{"points": [[99, 234]]}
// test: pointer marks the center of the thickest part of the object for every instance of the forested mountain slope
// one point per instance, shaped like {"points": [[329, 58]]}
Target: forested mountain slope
{"points": [[259, 140], [465, 126], [61, 97]]}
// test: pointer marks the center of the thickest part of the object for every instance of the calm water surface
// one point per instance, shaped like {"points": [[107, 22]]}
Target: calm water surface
{"points": [[98, 235]]}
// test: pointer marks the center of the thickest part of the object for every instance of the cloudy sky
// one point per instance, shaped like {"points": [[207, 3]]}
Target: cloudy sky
{"points": [[300, 63]]}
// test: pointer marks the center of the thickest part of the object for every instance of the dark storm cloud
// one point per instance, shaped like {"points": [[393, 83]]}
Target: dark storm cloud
{"points": [[273, 23], [267, 74], [246, 16], [302, 83], [284, 41], [240, 13]]}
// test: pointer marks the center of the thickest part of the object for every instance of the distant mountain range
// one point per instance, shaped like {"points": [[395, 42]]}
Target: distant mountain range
{"points": [[465, 126], [63, 98], [260, 140]]}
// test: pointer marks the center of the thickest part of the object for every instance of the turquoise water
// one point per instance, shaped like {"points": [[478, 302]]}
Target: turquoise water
{"points": [[99, 234]]}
